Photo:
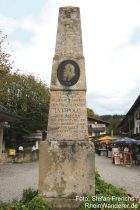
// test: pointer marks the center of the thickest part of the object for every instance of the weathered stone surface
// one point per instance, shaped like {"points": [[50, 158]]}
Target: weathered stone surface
{"points": [[63, 203], [80, 85], [66, 169], [66, 162], [67, 116], [69, 35], [69, 46]]}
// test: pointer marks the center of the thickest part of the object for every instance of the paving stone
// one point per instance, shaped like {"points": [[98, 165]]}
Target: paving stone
{"points": [[16, 177], [127, 177]]}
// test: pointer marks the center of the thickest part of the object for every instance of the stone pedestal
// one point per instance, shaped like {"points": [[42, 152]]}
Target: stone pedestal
{"points": [[66, 171]]}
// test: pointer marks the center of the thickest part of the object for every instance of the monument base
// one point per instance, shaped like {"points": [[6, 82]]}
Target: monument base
{"points": [[63, 203], [66, 170]]}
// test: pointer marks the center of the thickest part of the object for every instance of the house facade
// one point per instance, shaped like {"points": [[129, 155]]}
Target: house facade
{"points": [[97, 127], [137, 121], [130, 125]]}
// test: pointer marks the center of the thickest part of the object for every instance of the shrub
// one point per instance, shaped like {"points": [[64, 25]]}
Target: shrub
{"points": [[106, 191], [28, 195], [37, 204], [29, 201]]}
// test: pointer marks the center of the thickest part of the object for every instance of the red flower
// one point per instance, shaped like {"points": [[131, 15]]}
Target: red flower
{"points": [[130, 195], [136, 199]]}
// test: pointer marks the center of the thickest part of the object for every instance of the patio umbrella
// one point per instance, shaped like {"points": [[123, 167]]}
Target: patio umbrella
{"points": [[104, 142], [125, 140], [107, 138]]}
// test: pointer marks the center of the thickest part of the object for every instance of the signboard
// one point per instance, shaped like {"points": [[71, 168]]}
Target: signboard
{"points": [[127, 158], [12, 152], [117, 160], [116, 156]]}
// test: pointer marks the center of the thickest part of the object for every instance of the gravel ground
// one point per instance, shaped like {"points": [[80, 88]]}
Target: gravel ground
{"points": [[16, 177], [127, 177]]}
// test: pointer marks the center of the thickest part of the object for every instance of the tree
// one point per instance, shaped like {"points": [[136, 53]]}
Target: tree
{"points": [[114, 122], [91, 113], [29, 98], [25, 95], [5, 63]]}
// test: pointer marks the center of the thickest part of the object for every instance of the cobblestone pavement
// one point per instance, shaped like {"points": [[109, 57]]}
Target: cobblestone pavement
{"points": [[16, 177], [127, 177]]}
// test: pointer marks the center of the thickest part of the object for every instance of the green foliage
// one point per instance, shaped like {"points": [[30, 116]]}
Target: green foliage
{"points": [[27, 149], [29, 98], [23, 94], [91, 113], [114, 122], [28, 195], [37, 204], [104, 190], [5, 63], [29, 201]]}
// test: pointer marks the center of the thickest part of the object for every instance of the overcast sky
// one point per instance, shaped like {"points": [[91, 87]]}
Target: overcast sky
{"points": [[111, 42]]}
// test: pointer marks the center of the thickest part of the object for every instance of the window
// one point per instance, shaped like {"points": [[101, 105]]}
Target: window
{"points": [[138, 115]]}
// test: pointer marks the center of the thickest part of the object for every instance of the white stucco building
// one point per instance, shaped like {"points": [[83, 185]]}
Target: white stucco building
{"points": [[130, 125], [97, 127]]}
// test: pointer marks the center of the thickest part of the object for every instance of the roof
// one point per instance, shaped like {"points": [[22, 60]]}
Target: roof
{"points": [[98, 120], [131, 110], [6, 115], [134, 106]]}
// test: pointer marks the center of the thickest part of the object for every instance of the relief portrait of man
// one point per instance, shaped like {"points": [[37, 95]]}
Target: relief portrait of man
{"points": [[69, 72]]}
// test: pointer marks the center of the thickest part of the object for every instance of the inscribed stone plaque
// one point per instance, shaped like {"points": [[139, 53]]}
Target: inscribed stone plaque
{"points": [[67, 116]]}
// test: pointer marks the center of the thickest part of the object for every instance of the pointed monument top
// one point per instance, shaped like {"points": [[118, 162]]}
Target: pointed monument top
{"points": [[69, 35], [69, 6]]}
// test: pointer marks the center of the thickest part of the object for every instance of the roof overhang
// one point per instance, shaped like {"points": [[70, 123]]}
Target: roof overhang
{"points": [[98, 121], [6, 115]]}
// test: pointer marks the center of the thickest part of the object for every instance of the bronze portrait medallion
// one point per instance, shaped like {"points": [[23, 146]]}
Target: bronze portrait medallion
{"points": [[68, 73]]}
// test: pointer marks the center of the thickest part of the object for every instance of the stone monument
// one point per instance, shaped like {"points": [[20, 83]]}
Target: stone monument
{"points": [[66, 162]]}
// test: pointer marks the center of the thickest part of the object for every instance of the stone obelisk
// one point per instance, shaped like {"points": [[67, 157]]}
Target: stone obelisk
{"points": [[66, 166]]}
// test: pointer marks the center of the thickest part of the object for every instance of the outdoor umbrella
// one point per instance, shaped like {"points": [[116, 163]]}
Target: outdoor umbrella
{"points": [[125, 140], [107, 138], [104, 142]]}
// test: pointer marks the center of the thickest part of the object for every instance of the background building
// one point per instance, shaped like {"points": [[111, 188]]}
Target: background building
{"points": [[97, 127], [130, 125]]}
